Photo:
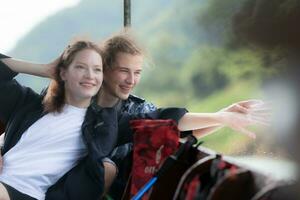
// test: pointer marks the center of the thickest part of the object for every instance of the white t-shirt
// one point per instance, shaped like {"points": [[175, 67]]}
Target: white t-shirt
{"points": [[46, 151]]}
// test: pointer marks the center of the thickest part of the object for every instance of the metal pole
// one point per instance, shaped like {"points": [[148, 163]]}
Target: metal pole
{"points": [[127, 13]]}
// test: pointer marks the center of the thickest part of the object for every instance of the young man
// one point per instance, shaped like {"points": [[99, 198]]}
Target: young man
{"points": [[123, 65]]}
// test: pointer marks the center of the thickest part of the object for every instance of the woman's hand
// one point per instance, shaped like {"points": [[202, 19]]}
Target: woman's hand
{"points": [[50, 67], [36, 69]]}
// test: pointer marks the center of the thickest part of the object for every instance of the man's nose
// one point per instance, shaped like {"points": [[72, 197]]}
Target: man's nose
{"points": [[130, 79]]}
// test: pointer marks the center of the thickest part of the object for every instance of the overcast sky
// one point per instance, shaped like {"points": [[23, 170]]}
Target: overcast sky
{"points": [[17, 17]]}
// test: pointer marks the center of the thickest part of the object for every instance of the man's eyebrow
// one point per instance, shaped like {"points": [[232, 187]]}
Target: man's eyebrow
{"points": [[127, 68], [121, 67]]}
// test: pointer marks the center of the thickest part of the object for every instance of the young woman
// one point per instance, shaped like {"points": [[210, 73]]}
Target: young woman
{"points": [[43, 137]]}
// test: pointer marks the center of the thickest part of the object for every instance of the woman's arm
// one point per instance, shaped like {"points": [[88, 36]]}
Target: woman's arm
{"points": [[12, 95], [21, 66]]}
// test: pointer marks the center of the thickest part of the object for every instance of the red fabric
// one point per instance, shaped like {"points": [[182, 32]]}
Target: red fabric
{"points": [[154, 141], [192, 188]]}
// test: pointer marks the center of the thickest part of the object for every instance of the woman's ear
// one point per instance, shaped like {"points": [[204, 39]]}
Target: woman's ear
{"points": [[62, 74]]}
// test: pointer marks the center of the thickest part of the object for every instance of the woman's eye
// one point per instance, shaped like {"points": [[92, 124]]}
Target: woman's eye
{"points": [[98, 70], [79, 67]]}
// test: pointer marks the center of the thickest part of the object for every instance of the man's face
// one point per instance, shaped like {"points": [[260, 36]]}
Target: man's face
{"points": [[121, 78]]}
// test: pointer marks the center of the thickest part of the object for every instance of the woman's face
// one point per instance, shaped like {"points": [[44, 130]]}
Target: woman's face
{"points": [[83, 77]]}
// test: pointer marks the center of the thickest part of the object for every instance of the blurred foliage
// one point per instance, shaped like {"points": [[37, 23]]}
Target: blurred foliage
{"points": [[216, 18], [269, 24]]}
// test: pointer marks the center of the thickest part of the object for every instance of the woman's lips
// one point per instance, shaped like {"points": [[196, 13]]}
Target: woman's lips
{"points": [[88, 84]]}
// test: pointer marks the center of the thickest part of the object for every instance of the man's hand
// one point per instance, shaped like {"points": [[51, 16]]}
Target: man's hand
{"points": [[238, 107], [242, 114], [242, 106]]}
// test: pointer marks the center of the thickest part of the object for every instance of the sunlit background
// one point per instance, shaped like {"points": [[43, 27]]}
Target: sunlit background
{"points": [[19, 17], [193, 58]]}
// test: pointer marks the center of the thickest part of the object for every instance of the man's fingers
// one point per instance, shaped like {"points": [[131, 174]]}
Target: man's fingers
{"points": [[249, 103], [236, 108], [248, 133], [244, 131], [240, 109]]}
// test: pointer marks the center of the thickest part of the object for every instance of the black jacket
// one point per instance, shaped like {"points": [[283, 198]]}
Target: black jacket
{"points": [[20, 107]]}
